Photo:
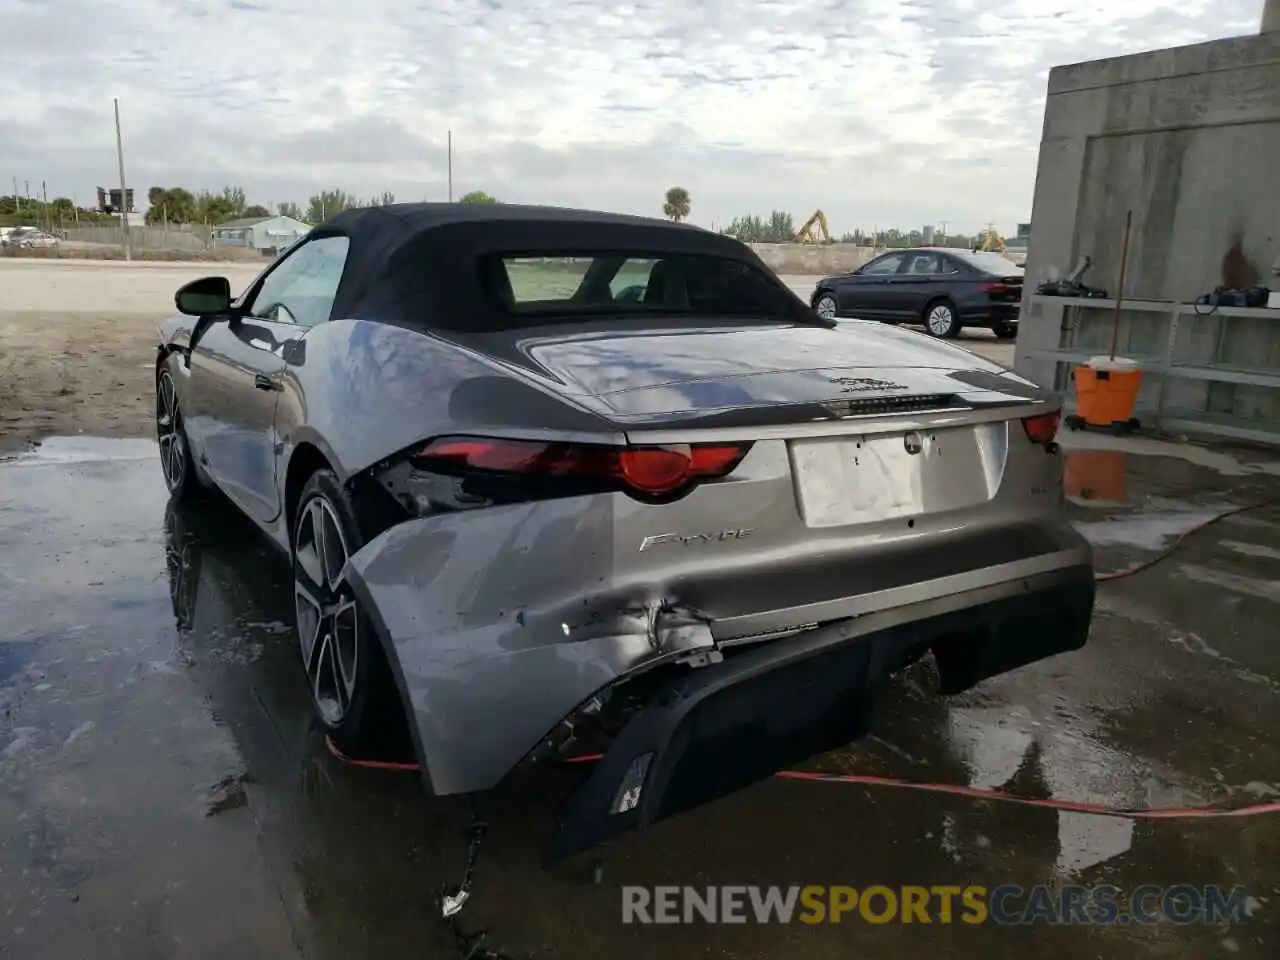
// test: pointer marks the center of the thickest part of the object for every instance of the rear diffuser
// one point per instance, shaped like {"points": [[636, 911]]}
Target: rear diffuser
{"points": [[720, 729]]}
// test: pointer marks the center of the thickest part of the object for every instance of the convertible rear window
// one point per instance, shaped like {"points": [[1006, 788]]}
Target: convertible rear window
{"points": [[553, 288]]}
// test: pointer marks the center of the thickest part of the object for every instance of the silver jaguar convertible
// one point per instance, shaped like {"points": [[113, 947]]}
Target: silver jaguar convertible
{"points": [[547, 475]]}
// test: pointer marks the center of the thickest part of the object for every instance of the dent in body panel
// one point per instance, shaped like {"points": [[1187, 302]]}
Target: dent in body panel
{"points": [[484, 674]]}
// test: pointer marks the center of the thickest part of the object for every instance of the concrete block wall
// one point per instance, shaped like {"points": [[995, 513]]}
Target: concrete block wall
{"points": [[813, 258], [1189, 140], [177, 237]]}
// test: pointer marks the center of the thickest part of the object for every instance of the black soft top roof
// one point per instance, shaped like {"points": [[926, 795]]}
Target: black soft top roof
{"points": [[414, 263]]}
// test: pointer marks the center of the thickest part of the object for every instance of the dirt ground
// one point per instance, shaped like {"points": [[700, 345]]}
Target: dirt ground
{"points": [[77, 342]]}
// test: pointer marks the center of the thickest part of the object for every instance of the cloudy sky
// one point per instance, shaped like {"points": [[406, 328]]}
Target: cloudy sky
{"points": [[888, 112]]}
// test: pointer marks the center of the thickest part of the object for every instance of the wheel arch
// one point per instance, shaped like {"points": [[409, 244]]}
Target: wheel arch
{"points": [[163, 352], [938, 298], [305, 460]]}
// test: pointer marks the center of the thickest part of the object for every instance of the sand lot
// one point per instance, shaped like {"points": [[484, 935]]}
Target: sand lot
{"points": [[77, 341]]}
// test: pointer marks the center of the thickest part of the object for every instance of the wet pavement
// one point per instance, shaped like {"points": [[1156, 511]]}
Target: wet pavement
{"points": [[164, 794]]}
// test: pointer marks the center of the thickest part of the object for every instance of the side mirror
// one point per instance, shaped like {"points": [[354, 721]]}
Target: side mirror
{"points": [[208, 295]]}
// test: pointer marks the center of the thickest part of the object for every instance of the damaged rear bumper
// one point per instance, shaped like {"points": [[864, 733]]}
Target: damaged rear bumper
{"points": [[486, 675], [718, 730]]}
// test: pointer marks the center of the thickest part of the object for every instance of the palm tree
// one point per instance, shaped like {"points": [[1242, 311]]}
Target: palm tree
{"points": [[677, 204]]}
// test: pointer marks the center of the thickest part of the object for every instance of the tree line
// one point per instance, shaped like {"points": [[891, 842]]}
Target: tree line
{"points": [[779, 227], [179, 206], [51, 214]]}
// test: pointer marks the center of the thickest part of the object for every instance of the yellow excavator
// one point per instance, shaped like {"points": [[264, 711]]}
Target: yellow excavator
{"points": [[807, 234], [991, 241]]}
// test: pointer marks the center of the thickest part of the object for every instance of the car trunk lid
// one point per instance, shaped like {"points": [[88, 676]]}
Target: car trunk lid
{"points": [[650, 375]]}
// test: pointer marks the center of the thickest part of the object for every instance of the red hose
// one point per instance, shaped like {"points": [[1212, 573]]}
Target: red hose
{"points": [[1181, 538], [979, 793]]}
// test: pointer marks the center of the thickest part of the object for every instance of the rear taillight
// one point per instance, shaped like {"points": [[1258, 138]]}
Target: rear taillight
{"points": [[1043, 428], [647, 472], [995, 287]]}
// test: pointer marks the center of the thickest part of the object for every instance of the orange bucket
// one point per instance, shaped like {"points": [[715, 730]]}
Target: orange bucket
{"points": [[1106, 390]]}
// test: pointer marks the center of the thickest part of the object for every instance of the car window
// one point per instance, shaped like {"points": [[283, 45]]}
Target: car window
{"points": [[622, 285], [631, 279], [992, 263], [946, 265], [923, 264], [884, 265], [302, 288]]}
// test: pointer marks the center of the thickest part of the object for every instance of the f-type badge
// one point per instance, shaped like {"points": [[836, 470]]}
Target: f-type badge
{"points": [[687, 539], [913, 442]]}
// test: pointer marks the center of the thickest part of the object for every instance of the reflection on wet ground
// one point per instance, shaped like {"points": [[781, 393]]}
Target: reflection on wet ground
{"points": [[163, 793]]}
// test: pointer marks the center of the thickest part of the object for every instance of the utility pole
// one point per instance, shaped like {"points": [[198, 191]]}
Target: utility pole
{"points": [[44, 197], [124, 192], [451, 166], [944, 228], [17, 201]]}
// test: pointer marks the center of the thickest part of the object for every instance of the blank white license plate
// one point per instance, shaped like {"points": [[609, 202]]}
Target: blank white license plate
{"points": [[849, 480]]}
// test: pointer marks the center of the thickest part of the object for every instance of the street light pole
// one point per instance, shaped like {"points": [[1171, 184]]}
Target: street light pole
{"points": [[451, 166], [124, 193]]}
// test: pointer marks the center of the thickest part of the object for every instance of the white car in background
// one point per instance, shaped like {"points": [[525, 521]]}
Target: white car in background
{"points": [[28, 237]]}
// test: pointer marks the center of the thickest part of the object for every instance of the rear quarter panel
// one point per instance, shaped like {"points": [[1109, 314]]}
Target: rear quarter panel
{"points": [[363, 390]]}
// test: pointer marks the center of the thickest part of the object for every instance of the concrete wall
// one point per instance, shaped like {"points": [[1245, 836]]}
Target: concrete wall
{"points": [[143, 238], [814, 258], [1189, 140]]}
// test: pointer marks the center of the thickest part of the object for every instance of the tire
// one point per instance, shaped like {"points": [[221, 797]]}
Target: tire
{"points": [[1005, 331], [825, 306], [176, 463], [941, 319], [351, 687]]}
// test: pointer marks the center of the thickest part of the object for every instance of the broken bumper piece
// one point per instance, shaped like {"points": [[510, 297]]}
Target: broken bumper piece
{"points": [[717, 730]]}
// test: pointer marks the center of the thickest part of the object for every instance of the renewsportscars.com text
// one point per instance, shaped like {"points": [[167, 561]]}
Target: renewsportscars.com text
{"points": [[1006, 904]]}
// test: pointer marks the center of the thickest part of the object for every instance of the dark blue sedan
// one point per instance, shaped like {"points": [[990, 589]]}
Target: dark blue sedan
{"points": [[941, 288]]}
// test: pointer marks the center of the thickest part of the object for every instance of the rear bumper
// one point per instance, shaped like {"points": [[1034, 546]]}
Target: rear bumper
{"points": [[493, 652], [722, 728], [991, 314]]}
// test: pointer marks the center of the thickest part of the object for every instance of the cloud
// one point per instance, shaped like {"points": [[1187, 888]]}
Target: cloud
{"points": [[888, 112]]}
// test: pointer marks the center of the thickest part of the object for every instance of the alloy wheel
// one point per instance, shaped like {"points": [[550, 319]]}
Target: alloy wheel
{"points": [[169, 434], [328, 617], [826, 308], [940, 319]]}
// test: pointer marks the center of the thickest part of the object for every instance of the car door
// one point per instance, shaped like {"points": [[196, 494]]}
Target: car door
{"points": [[237, 365], [865, 292], [920, 280]]}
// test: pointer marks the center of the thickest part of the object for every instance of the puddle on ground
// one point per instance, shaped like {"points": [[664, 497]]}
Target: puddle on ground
{"points": [[54, 450], [1219, 461], [14, 655], [1096, 477]]}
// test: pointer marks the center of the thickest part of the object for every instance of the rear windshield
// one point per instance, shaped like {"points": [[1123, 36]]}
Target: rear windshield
{"points": [[990, 262], [565, 286]]}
